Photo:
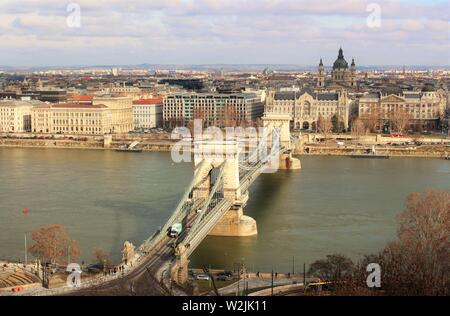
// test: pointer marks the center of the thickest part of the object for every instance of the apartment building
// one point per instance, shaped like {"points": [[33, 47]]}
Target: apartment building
{"points": [[213, 109]]}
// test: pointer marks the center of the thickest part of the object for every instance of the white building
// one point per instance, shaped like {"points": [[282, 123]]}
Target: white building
{"points": [[148, 113], [306, 106], [15, 116], [426, 106]]}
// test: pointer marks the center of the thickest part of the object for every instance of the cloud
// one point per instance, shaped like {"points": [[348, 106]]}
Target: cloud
{"points": [[202, 31]]}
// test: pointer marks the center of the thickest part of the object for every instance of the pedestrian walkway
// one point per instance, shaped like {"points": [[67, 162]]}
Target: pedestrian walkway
{"points": [[254, 282]]}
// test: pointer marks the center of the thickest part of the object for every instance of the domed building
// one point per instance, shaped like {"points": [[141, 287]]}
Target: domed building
{"points": [[342, 76]]}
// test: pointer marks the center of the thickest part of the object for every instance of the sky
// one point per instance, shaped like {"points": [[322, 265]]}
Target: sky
{"points": [[186, 32]]}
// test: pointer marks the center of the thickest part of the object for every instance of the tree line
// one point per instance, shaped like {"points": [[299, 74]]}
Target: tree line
{"points": [[416, 263]]}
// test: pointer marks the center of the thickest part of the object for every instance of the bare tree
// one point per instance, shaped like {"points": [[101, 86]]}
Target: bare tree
{"points": [[324, 125], [53, 244], [334, 268], [231, 116], [358, 128], [372, 119], [102, 257], [417, 262], [400, 119]]}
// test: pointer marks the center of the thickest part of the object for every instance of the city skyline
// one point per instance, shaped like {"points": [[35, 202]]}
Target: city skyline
{"points": [[206, 32]]}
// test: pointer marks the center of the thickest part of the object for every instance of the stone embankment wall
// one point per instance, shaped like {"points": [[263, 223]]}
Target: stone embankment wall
{"points": [[50, 143], [422, 151], [153, 142], [307, 145]]}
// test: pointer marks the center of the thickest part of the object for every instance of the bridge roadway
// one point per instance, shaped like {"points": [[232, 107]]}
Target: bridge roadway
{"points": [[158, 253], [156, 263]]}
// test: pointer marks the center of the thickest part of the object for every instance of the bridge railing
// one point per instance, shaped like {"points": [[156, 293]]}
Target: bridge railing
{"points": [[249, 174], [214, 197], [208, 222], [183, 208]]}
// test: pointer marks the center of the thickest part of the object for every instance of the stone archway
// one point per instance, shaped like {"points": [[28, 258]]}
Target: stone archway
{"points": [[313, 126], [305, 125]]}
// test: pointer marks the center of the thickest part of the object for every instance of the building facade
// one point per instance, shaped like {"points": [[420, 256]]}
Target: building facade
{"points": [[15, 116], [121, 112], [147, 113], [71, 119], [305, 107], [426, 108], [214, 109]]}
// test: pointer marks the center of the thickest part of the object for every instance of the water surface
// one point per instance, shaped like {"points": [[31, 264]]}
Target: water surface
{"points": [[335, 204]]}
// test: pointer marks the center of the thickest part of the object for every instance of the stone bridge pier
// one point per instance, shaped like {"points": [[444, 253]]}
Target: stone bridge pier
{"points": [[217, 153]]}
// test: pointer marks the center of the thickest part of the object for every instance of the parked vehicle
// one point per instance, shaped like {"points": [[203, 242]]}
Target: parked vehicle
{"points": [[202, 277], [223, 278], [175, 230], [225, 273]]}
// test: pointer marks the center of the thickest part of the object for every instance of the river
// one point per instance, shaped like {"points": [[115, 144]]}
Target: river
{"points": [[102, 198]]}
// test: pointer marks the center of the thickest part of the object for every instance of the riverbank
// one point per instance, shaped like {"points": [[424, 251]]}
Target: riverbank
{"points": [[307, 146], [435, 151], [149, 145]]}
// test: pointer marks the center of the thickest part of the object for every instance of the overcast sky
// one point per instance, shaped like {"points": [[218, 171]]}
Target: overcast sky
{"points": [[44, 33]]}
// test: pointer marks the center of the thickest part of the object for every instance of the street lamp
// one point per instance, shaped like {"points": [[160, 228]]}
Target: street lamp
{"points": [[26, 252]]}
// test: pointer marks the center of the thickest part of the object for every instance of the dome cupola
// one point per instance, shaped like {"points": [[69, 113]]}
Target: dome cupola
{"points": [[340, 62]]}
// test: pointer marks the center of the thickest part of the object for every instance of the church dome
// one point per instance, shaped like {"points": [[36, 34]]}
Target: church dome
{"points": [[340, 62]]}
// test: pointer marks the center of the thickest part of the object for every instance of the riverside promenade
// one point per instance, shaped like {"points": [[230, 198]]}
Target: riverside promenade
{"points": [[424, 146]]}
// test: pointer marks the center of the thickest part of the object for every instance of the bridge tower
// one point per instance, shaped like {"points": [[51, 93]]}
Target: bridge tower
{"points": [[217, 153], [281, 121]]}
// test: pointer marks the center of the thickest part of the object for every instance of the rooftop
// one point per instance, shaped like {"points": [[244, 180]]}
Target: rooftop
{"points": [[81, 98], [72, 106], [329, 96], [292, 95], [148, 101], [245, 95]]}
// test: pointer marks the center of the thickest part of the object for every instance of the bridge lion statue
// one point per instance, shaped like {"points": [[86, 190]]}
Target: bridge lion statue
{"points": [[128, 252]]}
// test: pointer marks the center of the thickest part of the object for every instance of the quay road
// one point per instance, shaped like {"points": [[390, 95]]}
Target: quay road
{"points": [[254, 282], [147, 277]]}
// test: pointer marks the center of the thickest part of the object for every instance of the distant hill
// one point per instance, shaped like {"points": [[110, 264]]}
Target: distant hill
{"points": [[216, 67]]}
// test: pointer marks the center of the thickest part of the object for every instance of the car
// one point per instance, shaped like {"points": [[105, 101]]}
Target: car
{"points": [[225, 273], [223, 278], [202, 277]]}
